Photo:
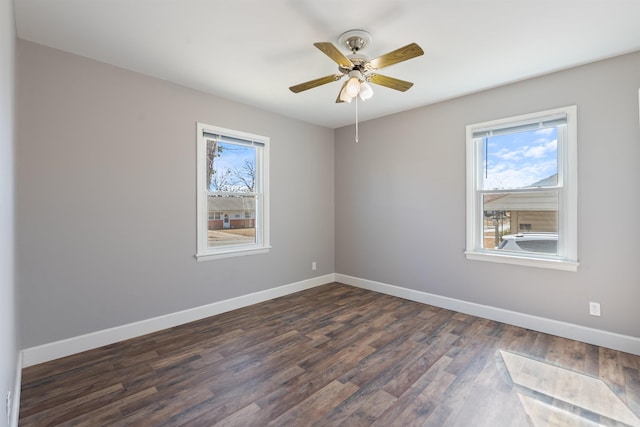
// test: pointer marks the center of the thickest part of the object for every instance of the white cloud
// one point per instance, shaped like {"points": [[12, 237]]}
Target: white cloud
{"points": [[511, 155], [520, 160], [539, 151], [520, 176]]}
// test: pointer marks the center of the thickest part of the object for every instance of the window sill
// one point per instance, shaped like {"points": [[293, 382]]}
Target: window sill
{"points": [[232, 253], [556, 264]]}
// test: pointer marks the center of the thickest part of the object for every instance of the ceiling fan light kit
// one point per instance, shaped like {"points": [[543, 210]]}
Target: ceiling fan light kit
{"points": [[355, 86], [366, 91]]}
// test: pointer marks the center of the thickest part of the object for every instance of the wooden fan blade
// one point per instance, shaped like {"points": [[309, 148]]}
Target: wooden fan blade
{"points": [[338, 100], [409, 51], [315, 83], [391, 82], [332, 52]]}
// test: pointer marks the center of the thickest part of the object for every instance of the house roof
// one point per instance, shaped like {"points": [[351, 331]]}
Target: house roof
{"points": [[228, 204], [535, 201], [546, 201]]}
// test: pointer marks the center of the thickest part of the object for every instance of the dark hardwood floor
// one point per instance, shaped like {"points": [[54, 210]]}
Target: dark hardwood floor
{"points": [[337, 355]]}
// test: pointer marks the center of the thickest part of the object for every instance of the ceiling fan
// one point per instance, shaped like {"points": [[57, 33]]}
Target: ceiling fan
{"points": [[361, 71]]}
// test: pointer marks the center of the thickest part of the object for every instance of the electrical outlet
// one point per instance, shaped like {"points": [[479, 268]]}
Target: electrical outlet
{"points": [[594, 308], [313, 266]]}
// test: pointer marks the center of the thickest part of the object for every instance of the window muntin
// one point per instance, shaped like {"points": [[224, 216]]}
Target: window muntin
{"points": [[521, 182], [232, 193]]}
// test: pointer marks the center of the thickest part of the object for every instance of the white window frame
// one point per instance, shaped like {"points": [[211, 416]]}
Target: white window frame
{"points": [[261, 245], [567, 188]]}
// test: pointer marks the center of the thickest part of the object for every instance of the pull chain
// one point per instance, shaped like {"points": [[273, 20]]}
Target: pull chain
{"points": [[356, 119]]}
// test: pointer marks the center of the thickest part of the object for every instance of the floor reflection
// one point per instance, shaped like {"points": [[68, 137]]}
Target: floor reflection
{"points": [[563, 397]]}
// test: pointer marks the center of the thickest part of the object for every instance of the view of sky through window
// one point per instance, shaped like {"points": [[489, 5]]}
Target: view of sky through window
{"points": [[234, 168], [520, 159], [233, 156]]}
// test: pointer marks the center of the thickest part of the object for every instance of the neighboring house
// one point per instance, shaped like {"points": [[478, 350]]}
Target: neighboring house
{"points": [[529, 211], [230, 212]]}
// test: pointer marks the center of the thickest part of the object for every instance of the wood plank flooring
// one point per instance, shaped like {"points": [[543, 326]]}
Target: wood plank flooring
{"points": [[337, 355]]}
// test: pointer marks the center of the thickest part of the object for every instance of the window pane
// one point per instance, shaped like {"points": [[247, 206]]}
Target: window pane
{"points": [[521, 221], [520, 160], [230, 167], [235, 222]]}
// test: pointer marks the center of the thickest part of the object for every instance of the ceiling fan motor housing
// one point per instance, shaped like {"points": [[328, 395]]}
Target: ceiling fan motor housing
{"points": [[358, 61]]}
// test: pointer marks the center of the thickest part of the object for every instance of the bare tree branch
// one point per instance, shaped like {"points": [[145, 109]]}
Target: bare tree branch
{"points": [[246, 176]]}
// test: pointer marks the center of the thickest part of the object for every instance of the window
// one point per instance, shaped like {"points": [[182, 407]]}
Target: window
{"points": [[522, 190], [232, 193]]}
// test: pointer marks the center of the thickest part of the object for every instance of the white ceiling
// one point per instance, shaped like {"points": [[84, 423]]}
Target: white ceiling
{"points": [[253, 50]]}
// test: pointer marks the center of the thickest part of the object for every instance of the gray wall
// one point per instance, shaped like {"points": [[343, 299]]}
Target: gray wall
{"points": [[106, 219], [106, 199], [400, 199], [8, 326]]}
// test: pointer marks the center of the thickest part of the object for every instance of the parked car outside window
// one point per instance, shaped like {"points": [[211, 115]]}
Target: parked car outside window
{"points": [[530, 242]]}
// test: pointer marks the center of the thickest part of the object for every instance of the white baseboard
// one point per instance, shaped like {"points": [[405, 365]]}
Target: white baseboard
{"points": [[598, 337], [15, 399], [46, 352]]}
